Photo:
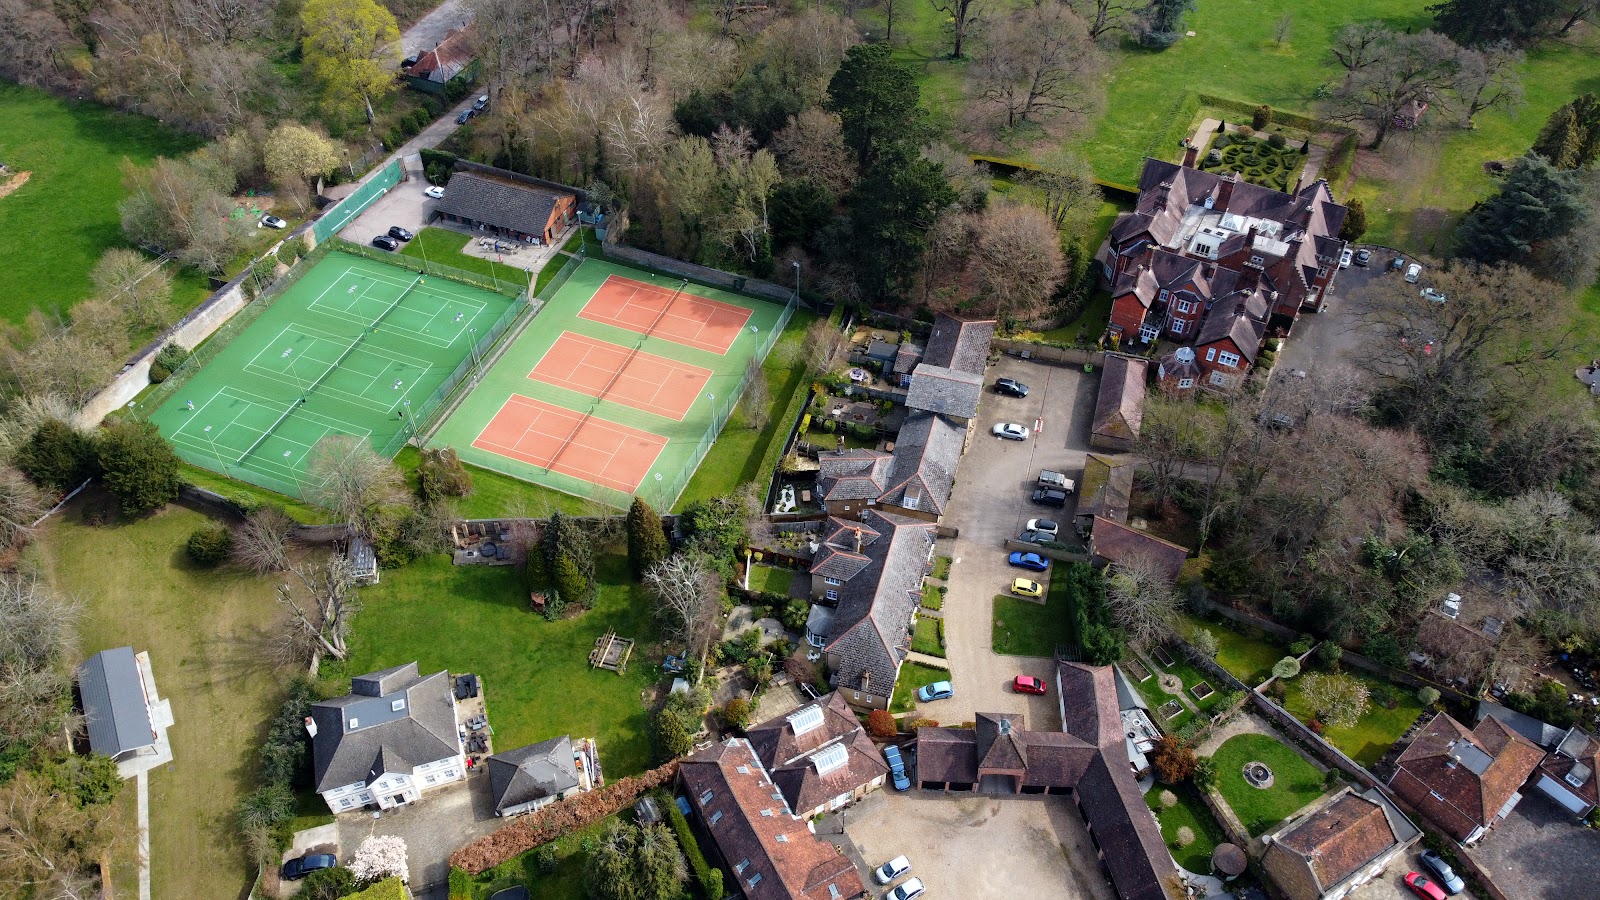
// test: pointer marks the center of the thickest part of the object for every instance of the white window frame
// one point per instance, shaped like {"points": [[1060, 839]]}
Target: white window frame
{"points": [[1228, 359], [1179, 325], [830, 595], [1211, 354], [1219, 379], [831, 581], [1162, 296], [1184, 383], [1185, 306], [1148, 332]]}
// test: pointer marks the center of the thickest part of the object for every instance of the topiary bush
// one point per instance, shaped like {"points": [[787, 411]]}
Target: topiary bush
{"points": [[210, 546], [1277, 141], [1261, 117]]}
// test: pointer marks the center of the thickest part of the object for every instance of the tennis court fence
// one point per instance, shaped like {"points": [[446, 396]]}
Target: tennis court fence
{"points": [[512, 286]]}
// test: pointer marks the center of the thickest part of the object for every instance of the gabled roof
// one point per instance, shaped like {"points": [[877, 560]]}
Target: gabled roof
{"points": [[1243, 319], [853, 474], [907, 357], [950, 392], [115, 709], [1106, 488], [532, 773], [873, 619], [779, 741], [393, 720], [1462, 779], [1125, 829], [1116, 542], [1338, 839], [806, 786], [1541, 733], [959, 344], [499, 201], [926, 453], [1119, 406], [773, 855], [1577, 756], [445, 61]]}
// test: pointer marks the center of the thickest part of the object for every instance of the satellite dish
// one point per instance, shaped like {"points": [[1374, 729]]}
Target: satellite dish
{"points": [[1184, 354]]}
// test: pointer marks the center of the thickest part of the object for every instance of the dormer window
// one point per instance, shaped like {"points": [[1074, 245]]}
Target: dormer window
{"points": [[1162, 296]]}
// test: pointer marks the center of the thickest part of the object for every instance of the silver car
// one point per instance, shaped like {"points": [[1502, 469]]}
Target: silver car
{"points": [[892, 869], [910, 889]]}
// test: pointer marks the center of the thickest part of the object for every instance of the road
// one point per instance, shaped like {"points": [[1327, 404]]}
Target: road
{"points": [[432, 28]]}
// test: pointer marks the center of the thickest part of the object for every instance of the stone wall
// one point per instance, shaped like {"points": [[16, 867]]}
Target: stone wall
{"points": [[1066, 356]]}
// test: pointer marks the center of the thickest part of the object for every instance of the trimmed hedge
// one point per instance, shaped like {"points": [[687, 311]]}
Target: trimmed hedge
{"points": [[388, 889], [710, 878], [1242, 111]]}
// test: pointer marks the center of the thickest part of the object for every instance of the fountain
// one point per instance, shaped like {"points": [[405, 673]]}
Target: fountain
{"points": [[1258, 774]]}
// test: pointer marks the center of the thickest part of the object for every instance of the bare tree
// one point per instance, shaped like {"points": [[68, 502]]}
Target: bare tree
{"points": [[37, 634], [1036, 64], [961, 16], [1019, 261], [319, 602], [1358, 46], [261, 544], [1142, 599], [823, 344], [1070, 196], [50, 846], [949, 244], [1488, 80], [21, 504], [1104, 16], [1281, 29], [347, 476], [685, 589], [1169, 435], [1406, 70], [811, 147], [1338, 700], [756, 401]]}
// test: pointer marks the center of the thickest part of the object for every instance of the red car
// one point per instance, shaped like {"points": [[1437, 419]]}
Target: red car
{"points": [[1422, 887], [1027, 684]]}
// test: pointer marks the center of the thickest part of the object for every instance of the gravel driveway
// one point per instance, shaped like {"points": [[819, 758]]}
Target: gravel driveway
{"points": [[1330, 338]]}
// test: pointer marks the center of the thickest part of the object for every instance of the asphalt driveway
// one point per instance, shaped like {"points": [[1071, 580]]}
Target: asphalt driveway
{"points": [[1331, 338], [1537, 852], [444, 820]]}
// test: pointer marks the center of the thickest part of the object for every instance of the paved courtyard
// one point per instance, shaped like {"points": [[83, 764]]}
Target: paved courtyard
{"points": [[970, 846], [433, 828], [1538, 853]]}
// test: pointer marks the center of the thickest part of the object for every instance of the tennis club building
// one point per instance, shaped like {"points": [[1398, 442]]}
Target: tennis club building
{"points": [[507, 205]]}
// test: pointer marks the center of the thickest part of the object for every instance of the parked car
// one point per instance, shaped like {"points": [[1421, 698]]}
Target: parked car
{"points": [[400, 234], [1363, 257], [465, 115], [1045, 526], [1027, 684], [386, 242], [1011, 386], [435, 192], [1035, 537], [480, 103], [939, 690], [1448, 879], [1033, 562], [1414, 273], [1422, 887], [408, 62], [1011, 431], [1049, 498], [301, 866], [273, 222], [1345, 258], [897, 768], [1022, 587], [892, 869], [1396, 264], [910, 889], [1056, 481], [1433, 296]]}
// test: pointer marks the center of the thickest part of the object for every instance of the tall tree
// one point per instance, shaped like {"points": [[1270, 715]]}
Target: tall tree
{"points": [[1161, 22], [687, 594], [1142, 599], [294, 154], [811, 148], [1069, 196], [38, 633], [891, 210], [1536, 203], [345, 475], [139, 285], [1338, 700], [876, 99], [182, 207], [138, 465], [1104, 16], [1570, 138], [1405, 70], [1358, 45], [647, 543], [49, 846], [1488, 80], [1478, 22], [960, 16], [1018, 259], [352, 48], [635, 862], [319, 603], [1036, 64]]}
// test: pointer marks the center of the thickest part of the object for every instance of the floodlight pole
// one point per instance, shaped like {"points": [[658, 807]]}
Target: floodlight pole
{"points": [[797, 280]]}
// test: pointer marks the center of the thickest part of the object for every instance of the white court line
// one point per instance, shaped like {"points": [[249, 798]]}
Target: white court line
{"points": [[361, 398], [476, 308]]}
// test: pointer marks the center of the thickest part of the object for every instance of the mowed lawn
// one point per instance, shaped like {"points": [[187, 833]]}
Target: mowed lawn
{"points": [[208, 635], [59, 222], [536, 674], [1295, 781], [1377, 729]]}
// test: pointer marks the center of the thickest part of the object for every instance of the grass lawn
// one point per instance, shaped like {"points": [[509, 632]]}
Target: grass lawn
{"points": [[1025, 628], [59, 223], [912, 676], [439, 245], [1248, 656], [932, 596], [1190, 812], [536, 673], [1295, 781], [1377, 729], [941, 564], [495, 495], [565, 883], [233, 488], [926, 638], [1150, 690], [207, 633], [771, 579]]}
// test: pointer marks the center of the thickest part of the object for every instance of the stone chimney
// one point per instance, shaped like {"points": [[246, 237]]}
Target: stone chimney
{"points": [[1190, 154], [1225, 190]]}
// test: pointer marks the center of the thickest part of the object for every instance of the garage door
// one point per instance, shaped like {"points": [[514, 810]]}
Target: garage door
{"points": [[1561, 795]]}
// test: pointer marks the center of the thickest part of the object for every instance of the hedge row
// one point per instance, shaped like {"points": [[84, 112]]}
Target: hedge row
{"points": [[710, 878], [557, 819], [1010, 167], [1244, 111], [387, 889]]}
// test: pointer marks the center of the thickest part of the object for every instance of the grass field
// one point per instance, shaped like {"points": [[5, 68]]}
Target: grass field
{"points": [[208, 635], [1248, 656], [346, 350], [536, 673], [926, 638], [1295, 781], [58, 224], [1025, 628], [771, 579], [913, 676], [442, 246], [655, 453], [1189, 812], [1377, 729]]}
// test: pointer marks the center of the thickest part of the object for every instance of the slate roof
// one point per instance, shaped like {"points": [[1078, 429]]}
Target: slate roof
{"points": [[773, 855], [1578, 755], [959, 344], [1115, 542], [1166, 270], [116, 711], [872, 621], [853, 474], [1119, 406], [1541, 733], [806, 789], [1245, 324], [525, 208], [926, 453], [1046, 758], [532, 773], [950, 392], [907, 357], [383, 738], [1461, 779], [1335, 841], [1106, 488]]}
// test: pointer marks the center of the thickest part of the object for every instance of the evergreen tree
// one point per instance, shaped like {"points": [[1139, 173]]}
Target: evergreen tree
{"points": [[1571, 136], [876, 99], [1355, 221], [891, 211], [1536, 204], [633, 862], [139, 465], [569, 559], [1473, 23], [647, 543], [57, 456]]}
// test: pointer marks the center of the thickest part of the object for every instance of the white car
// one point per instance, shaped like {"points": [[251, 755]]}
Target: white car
{"points": [[1414, 273], [909, 890], [1345, 257], [1044, 526], [1433, 296], [435, 192], [273, 222], [892, 869], [1011, 431]]}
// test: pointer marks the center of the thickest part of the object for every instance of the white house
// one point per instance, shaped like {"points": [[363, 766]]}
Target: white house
{"points": [[386, 743], [123, 715]]}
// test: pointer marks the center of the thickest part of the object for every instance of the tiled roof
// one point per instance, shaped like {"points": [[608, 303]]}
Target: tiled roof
{"points": [[853, 474], [1541, 733], [959, 344], [926, 453], [532, 773], [1338, 839], [1106, 487], [873, 619], [1461, 779], [835, 562], [949, 392], [116, 712], [362, 732], [746, 823], [1241, 318], [1125, 829], [776, 742], [1577, 755], [1116, 542], [806, 789], [501, 202], [999, 744], [1119, 406], [445, 61]]}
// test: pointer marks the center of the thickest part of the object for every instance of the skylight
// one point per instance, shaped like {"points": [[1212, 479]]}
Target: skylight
{"points": [[831, 758], [808, 719]]}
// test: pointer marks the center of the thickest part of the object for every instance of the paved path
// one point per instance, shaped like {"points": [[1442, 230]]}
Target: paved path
{"points": [[142, 784], [429, 30]]}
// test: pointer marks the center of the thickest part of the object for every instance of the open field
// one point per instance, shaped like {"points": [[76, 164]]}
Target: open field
{"points": [[58, 224], [207, 632]]}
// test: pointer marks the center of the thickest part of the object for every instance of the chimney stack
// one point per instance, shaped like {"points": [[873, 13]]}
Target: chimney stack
{"points": [[858, 540], [1225, 190], [1190, 154]]}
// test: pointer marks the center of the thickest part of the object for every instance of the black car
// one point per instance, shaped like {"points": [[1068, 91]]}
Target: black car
{"points": [[299, 867], [386, 242], [465, 115], [408, 62], [1011, 387], [1050, 498], [1448, 879], [400, 234]]}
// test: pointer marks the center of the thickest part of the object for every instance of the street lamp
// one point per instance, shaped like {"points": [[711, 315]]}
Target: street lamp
{"points": [[797, 279]]}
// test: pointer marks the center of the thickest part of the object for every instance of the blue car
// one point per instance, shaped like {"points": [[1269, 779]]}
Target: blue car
{"points": [[897, 768], [939, 690], [299, 867], [1033, 562]]}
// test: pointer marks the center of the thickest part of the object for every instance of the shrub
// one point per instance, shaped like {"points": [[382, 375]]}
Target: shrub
{"points": [[1330, 654], [1428, 696], [1299, 647], [863, 431], [1277, 141], [139, 466], [1246, 131], [460, 885], [1288, 667], [1167, 799], [1355, 221], [1205, 642], [440, 475], [1384, 648], [830, 426], [708, 877], [1172, 760], [1340, 160], [795, 613], [210, 546], [882, 725], [1184, 837], [1221, 141], [57, 456], [914, 724], [171, 356], [328, 884], [1261, 117], [736, 712], [1205, 772]]}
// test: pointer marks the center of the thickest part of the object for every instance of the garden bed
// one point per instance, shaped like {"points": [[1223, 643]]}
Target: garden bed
{"points": [[1255, 159]]}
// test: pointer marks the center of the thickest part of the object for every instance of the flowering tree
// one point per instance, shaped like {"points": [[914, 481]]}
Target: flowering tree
{"points": [[379, 857]]}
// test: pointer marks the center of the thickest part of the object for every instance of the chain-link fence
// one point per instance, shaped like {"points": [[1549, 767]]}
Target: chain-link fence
{"points": [[509, 287], [342, 213]]}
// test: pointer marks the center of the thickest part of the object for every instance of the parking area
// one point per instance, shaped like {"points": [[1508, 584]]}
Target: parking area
{"points": [[1331, 338], [444, 819], [404, 205], [969, 846], [1537, 852]]}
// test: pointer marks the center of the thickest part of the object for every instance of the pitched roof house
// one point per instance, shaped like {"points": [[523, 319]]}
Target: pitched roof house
{"points": [[961, 345], [1112, 542], [389, 740], [1119, 404], [1105, 490], [948, 392], [122, 715], [507, 205], [445, 61], [532, 777], [1464, 781], [767, 850], [1341, 843], [1568, 773], [819, 756]]}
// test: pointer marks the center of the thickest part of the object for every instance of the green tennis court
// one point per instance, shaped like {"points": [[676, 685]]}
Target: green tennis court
{"points": [[618, 385], [356, 347]]}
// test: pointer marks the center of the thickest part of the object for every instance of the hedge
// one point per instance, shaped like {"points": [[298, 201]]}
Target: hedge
{"points": [[557, 819], [388, 889], [1244, 111], [1107, 188], [710, 879]]}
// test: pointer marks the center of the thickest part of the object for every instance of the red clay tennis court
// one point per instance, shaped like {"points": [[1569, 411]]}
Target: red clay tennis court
{"points": [[561, 440], [679, 317], [633, 378]]}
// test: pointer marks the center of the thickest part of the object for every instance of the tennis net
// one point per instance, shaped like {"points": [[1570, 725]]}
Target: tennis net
{"points": [[371, 327]]}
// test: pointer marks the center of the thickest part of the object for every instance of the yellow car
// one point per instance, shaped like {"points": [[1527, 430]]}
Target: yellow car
{"points": [[1025, 588]]}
